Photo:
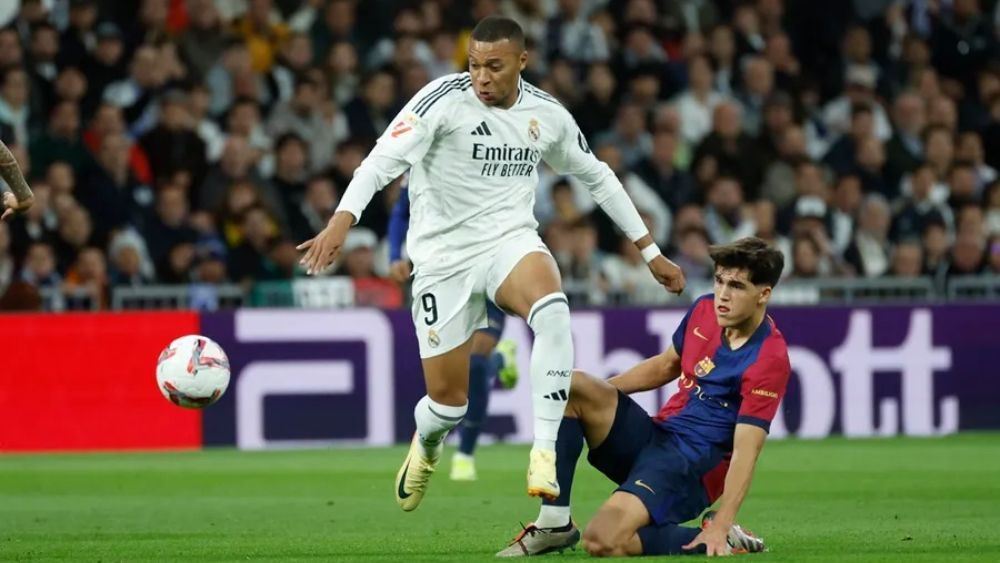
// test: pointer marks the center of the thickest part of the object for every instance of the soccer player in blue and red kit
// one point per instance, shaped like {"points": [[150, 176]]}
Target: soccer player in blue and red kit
{"points": [[733, 367]]}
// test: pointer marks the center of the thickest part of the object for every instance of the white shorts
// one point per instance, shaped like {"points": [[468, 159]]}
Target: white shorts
{"points": [[449, 308]]}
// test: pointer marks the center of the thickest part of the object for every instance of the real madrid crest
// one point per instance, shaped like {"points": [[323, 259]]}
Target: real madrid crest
{"points": [[704, 367], [534, 133], [433, 339]]}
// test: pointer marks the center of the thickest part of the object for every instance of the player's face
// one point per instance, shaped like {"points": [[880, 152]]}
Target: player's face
{"points": [[736, 298], [495, 68]]}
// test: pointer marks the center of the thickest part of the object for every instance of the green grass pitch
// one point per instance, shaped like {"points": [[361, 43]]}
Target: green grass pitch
{"points": [[834, 500]]}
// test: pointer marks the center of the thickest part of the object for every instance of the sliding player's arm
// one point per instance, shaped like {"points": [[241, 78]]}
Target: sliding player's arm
{"points": [[399, 223], [404, 143], [763, 386], [650, 374], [571, 155], [19, 198]]}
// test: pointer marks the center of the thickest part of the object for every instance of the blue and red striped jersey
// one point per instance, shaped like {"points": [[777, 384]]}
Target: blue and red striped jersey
{"points": [[721, 387]]}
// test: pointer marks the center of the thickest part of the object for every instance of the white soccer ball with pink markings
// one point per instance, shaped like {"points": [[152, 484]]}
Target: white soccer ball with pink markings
{"points": [[193, 372]]}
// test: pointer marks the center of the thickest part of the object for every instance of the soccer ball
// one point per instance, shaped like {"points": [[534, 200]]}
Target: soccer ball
{"points": [[193, 372]]}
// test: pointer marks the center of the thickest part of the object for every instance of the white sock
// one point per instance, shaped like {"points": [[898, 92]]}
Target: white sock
{"points": [[434, 420], [551, 366], [551, 516]]}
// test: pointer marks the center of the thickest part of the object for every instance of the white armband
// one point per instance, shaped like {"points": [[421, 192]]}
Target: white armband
{"points": [[650, 252]]}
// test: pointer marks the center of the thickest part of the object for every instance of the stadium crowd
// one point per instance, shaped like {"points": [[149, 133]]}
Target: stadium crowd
{"points": [[179, 141]]}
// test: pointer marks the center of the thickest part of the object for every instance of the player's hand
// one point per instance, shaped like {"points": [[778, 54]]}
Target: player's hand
{"points": [[13, 207], [400, 271], [714, 539], [323, 249], [668, 274]]}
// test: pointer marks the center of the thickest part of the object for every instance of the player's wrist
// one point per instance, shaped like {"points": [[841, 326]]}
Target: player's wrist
{"points": [[650, 252]]}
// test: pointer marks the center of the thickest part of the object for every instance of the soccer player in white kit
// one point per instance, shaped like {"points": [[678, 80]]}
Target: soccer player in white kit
{"points": [[473, 142]]}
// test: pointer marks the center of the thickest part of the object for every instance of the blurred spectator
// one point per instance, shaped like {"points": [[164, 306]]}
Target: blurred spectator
{"points": [[88, 278], [966, 255], [290, 172], [726, 218], [907, 259], [722, 49], [779, 178], [758, 84], [129, 265], [838, 115], [583, 264], [61, 141], [777, 117], [962, 41], [728, 151], [570, 34], [107, 65], [264, 35], [675, 187], [368, 115], [846, 206], [904, 151], [79, 38], [843, 155], [869, 251], [689, 16], [136, 93], [169, 225], [15, 110], [236, 167], [305, 115], [698, 102], [203, 42], [248, 260], [39, 268], [962, 185], [293, 61], [358, 263], [805, 258], [936, 244], [342, 72], [692, 254], [970, 148], [645, 199], [76, 231], [111, 193], [765, 219]]}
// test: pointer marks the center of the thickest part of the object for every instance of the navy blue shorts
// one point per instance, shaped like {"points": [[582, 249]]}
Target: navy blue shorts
{"points": [[495, 320], [642, 458]]}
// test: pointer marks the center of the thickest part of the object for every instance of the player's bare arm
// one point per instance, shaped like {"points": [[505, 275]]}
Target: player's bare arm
{"points": [[748, 441], [650, 373], [20, 198]]}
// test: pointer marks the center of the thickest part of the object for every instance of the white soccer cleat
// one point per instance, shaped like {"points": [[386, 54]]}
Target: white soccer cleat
{"points": [[415, 474], [740, 540], [463, 467], [542, 474], [538, 541]]}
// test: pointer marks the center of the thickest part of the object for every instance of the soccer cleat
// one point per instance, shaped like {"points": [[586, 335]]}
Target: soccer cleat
{"points": [[538, 541], [740, 540], [463, 467], [415, 474], [542, 474], [508, 373]]}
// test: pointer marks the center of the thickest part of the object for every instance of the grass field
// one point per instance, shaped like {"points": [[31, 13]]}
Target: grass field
{"points": [[835, 500]]}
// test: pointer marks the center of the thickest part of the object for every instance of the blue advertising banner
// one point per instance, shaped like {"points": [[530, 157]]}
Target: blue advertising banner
{"points": [[311, 377]]}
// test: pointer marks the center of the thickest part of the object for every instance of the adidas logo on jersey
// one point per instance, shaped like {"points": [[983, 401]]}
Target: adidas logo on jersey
{"points": [[559, 395], [482, 130]]}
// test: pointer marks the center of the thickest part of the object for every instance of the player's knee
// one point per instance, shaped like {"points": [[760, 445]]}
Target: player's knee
{"points": [[550, 315], [599, 542], [447, 395]]}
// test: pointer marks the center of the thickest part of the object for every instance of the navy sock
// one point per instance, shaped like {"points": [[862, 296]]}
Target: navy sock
{"points": [[479, 398], [495, 364], [668, 539], [569, 444]]}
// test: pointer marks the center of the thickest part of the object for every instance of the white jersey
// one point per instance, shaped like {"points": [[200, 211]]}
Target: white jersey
{"points": [[474, 169]]}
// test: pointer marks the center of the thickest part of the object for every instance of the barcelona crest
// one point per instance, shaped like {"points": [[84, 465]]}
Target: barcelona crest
{"points": [[704, 367]]}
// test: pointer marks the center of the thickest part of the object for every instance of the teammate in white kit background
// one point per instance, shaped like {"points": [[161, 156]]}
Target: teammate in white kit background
{"points": [[473, 142]]}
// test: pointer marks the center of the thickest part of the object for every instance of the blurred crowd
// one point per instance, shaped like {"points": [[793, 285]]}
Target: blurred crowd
{"points": [[198, 141]]}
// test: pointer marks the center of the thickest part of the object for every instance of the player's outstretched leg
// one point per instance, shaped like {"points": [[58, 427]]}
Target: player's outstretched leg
{"points": [[590, 413], [531, 288], [436, 413]]}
